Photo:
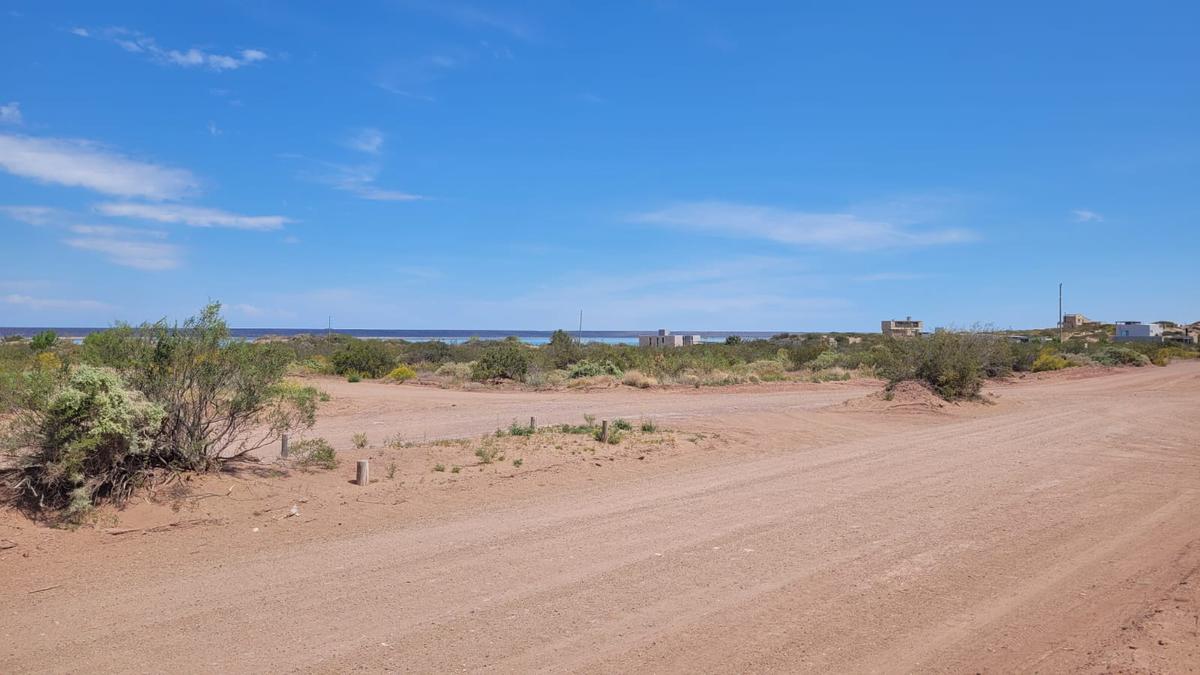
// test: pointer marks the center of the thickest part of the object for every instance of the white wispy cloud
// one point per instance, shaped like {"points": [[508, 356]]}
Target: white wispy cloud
{"points": [[213, 129], [726, 294], [33, 215], [125, 250], [195, 216], [360, 181], [847, 231], [368, 140], [86, 164], [10, 113], [258, 312], [52, 303], [470, 16], [138, 43], [890, 276], [1086, 216]]}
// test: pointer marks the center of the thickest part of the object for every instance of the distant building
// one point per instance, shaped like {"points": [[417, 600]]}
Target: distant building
{"points": [[1136, 331], [905, 328], [664, 339], [1073, 321]]}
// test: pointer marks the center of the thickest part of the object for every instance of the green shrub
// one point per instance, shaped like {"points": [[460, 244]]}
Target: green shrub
{"points": [[562, 350], [43, 341], [94, 440], [315, 452], [954, 363], [1120, 356], [353, 376], [366, 357], [649, 427], [826, 359], [401, 373], [621, 424], [587, 368], [486, 454], [518, 462], [441, 467], [505, 359], [516, 429], [360, 440]]}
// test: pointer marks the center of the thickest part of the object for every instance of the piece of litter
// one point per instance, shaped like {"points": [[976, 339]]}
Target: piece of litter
{"points": [[254, 530]]}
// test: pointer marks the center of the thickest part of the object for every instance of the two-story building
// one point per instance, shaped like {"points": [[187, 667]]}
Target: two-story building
{"points": [[902, 328], [664, 338]]}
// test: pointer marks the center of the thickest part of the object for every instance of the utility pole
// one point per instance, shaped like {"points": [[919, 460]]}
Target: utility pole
{"points": [[1060, 314], [579, 334]]}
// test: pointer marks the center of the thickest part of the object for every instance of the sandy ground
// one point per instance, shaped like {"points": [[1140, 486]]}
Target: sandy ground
{"points": [[784, 528]]}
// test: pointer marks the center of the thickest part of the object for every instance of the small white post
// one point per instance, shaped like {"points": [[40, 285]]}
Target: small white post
{"points": [[364, 471]]}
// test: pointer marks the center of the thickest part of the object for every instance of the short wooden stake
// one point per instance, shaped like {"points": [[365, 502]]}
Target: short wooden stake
{"points": [[283, 447], [364, 472], [532, 424], [604, 431]]}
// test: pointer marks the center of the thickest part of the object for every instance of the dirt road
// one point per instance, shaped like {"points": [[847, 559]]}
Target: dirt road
{"points": [[1054, 532]]}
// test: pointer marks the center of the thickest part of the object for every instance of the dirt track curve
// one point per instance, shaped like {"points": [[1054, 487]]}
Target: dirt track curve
{"points": [[1057, 531]]}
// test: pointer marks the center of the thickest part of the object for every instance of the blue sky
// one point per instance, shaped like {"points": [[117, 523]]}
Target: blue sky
{"points": [[755, 166]]}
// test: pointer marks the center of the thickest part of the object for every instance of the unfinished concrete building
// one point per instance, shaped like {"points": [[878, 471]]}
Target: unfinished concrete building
{"points": [[664, 338], [1074, 321], [902, 328]]}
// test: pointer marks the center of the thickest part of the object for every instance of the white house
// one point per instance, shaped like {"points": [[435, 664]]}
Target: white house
{"points": [[1136, 331]]}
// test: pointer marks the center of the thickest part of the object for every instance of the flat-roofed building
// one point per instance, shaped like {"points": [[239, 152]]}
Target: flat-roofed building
{"points": [[664, 338], [902, 328], [1136, 331]]}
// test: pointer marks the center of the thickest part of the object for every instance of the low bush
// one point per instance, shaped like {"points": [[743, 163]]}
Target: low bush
{"points": [[587, 368], [315, 452], [401, 373], [622, 425], [636, 378], [505, 359], [370, 358], [93, 441], [1120, 356], [1048, 359], [455, 371], [648, 426], [954, 363], [360, 440]]}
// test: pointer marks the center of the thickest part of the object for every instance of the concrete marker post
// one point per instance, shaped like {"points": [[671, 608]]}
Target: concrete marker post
{"points": [[364, 472], [604, 431], [283, 447], [532, 424]]}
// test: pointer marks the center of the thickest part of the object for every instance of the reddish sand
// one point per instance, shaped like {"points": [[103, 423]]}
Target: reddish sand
{"points": [[772, 528]]}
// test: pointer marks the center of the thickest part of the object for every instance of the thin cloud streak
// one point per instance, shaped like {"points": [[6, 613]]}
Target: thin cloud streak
{"points": [[79, 163], [195, 216], [138, 43], [142, 255], [801, 228], [53, 303]]}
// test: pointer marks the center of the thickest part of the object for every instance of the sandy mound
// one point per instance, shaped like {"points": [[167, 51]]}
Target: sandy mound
{"points": [[908, 396]]}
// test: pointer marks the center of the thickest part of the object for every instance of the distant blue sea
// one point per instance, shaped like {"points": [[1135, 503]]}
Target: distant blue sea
{"points": [[451, 336]]}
